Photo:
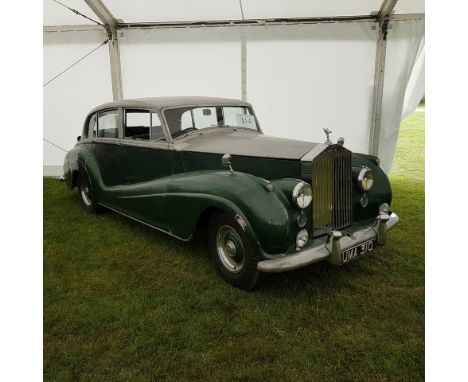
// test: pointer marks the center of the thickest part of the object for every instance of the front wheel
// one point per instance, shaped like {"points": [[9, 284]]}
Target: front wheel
{"points": [[232, 252], [86, 194]]}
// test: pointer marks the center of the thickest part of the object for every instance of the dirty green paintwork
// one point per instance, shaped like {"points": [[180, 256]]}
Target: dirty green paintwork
{"points": [[381, 192], [173, 189]]}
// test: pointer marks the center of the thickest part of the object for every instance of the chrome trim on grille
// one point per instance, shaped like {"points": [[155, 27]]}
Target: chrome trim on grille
{"points": [[331, 190]]}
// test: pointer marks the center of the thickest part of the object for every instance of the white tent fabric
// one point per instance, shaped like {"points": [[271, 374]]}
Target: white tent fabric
{"points": [[300, 78], [415, 88], [190, 10], [55, 14], [402, 50], [69, 98]]}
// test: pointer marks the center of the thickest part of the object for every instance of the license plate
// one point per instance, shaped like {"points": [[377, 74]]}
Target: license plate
{"points": [[354, 252]]}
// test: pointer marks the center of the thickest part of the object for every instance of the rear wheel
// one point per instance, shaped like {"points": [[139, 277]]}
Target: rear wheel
{"points": [[232, 252], [87, 197]]}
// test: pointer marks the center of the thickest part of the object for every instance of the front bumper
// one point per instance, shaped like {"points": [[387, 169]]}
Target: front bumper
{"points": [[333, 246]]}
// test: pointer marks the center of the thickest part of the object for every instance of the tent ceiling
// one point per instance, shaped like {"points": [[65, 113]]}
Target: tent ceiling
{"points": [[55, 14], [409, 6], [202, 10]]}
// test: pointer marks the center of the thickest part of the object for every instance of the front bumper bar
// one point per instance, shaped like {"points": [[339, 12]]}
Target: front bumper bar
{"points": [[335, 244]]}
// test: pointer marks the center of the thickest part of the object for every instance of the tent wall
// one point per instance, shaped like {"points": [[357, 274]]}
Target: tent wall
{"points": [[201, 61], [300, 78], [69, 98], [304, 78], [403, 45]]}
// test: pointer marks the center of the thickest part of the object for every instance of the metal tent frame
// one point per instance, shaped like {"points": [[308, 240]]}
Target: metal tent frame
{"points": [[381, 18]]}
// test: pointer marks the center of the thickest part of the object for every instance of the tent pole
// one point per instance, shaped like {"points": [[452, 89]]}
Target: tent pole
{"points": [[243, 67], [237, 23], [383, 18], [243, 43], [103, 13]]}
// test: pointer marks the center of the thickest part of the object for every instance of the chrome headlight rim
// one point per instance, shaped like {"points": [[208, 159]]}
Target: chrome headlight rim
{"points": [[365, 172], [298, 188]]}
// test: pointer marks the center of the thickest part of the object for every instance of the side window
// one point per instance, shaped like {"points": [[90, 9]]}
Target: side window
{"points": [[137, 124], [108, 124], [92, 127], [157, 133]]}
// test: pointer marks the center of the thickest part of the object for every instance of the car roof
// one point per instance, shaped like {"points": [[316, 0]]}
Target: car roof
{"points": [[163, 102]]}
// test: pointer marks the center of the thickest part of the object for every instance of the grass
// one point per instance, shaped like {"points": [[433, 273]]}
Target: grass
{"points": [[124, 302]]}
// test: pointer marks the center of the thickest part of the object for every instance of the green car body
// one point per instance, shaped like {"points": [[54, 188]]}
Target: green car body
{"points": [[174, 185]]}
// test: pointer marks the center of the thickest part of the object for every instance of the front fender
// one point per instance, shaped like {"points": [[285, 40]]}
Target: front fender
{"points": [[381, 192], [265, 212]]}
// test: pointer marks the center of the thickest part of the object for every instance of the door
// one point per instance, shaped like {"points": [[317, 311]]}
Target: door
{"points": [[106, 144], [135, 164]]}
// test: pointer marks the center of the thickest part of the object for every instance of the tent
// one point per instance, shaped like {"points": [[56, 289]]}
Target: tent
{"points": [[354, 67]]}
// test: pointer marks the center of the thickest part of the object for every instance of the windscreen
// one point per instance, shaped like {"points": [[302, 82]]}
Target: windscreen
{"points": [[185, 119]]}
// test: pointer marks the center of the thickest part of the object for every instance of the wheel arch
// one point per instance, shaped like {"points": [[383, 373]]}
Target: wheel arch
{"points": [[262, 213]]}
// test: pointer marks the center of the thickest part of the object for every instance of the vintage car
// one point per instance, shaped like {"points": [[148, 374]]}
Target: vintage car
{"points": [[199, 164]]}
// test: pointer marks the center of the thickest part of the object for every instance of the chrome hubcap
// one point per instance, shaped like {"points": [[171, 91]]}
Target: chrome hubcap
{"points": [[85, 196], [230, 249]]}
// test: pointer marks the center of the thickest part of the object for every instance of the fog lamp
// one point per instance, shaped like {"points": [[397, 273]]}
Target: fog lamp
{"points": [[301, 219], [383, 209], [302, 238]]}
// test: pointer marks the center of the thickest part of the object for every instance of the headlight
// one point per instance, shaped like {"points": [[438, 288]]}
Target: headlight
{"points": [[302, 195], [365, 179]]}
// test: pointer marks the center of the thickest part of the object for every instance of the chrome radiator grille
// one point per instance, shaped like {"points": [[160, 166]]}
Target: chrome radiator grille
{"points": [[331, 190]]}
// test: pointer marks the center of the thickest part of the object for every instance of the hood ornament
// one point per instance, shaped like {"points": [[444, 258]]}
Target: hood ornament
{"points": [[327, 133], [226, 161]]}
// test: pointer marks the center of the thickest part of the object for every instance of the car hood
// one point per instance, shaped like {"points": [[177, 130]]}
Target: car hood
{"points": [[243, 142]]}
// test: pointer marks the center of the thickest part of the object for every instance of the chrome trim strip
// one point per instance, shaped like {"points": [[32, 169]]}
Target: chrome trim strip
{"points": [[331, 250], [149, 225]]}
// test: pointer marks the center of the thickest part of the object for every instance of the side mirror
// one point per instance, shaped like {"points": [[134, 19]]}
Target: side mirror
{"points": [[78, 138], [226, 161]]}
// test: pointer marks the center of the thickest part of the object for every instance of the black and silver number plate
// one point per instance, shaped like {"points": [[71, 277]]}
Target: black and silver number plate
{"points": [[357, 251]]}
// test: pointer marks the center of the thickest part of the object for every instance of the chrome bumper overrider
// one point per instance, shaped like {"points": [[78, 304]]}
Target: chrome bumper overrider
{"points": [[335, 244]]}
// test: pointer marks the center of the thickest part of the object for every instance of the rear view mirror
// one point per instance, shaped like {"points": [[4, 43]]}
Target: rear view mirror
{"points": [[78, 138], [206, 111]]}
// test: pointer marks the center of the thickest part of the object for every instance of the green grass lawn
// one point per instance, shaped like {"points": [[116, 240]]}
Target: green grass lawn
{"points": [[124, 302]]}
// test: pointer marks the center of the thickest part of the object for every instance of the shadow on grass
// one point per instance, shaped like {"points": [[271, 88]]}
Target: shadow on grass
{"points": [[320, 276]]}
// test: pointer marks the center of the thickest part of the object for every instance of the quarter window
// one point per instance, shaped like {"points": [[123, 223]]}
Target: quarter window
{"points": [[92, 127], [108, 124]]}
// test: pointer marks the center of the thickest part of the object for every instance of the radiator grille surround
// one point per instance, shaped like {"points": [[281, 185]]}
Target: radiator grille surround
{"points": [[332, 190]]}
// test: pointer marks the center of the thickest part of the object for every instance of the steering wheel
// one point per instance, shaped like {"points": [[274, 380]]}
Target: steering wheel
{"points": [[175, 135]]}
